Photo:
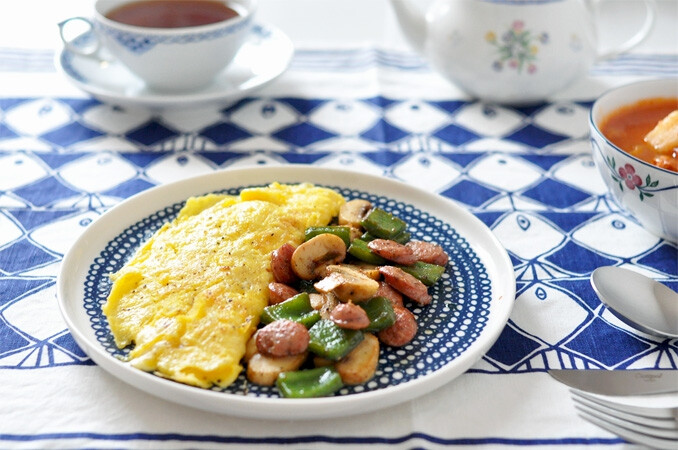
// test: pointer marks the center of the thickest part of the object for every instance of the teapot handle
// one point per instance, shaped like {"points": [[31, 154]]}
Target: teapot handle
{"points": [[639, 36]]}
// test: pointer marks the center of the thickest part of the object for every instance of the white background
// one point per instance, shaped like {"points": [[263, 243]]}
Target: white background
{"points": [[32, 23]]}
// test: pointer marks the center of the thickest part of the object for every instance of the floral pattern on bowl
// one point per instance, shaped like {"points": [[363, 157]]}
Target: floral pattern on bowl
{"points": [[646, 192], [626, 176]]}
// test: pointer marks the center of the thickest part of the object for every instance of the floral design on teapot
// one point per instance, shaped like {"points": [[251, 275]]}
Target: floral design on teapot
{"points": [[517, 48]]}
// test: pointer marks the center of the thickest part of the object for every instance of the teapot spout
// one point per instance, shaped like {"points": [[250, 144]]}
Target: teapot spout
{"points": [[412, 21]]}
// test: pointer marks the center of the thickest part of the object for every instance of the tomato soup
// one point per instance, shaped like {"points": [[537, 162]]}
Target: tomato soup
{"points": [[626, 127]]}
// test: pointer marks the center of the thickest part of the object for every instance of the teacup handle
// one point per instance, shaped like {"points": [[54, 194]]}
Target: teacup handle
{"points": [[83, 43], [641, 34]]}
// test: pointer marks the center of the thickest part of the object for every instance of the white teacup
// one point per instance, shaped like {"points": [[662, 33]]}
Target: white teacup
{"points": [[177, 59]]}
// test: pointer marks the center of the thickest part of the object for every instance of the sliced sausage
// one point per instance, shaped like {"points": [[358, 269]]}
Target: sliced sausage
{"points": [[282, 338], [385, 290], [428, 252], [349, 316], [279, 292], [402, 331], [393, 251], [281, 265], [406, 284]]}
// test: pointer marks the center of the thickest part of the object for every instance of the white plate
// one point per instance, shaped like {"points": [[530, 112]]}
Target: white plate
{"points": [[265, 55], [471, 305]]}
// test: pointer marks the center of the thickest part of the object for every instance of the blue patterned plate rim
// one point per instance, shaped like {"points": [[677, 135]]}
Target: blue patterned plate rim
{"points": [[470, 308]]}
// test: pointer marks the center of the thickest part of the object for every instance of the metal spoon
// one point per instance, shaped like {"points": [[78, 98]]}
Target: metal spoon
{"points": [[637, 300]]}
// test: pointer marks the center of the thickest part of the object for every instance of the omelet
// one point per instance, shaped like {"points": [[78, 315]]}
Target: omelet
{"points": [[191, 296]]}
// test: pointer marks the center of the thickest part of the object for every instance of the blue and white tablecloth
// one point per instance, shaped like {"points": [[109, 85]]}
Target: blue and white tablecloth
{"points": [[526, 172]]}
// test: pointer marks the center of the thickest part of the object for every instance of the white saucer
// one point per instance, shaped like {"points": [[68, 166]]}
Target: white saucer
{"points": [[265, 55]]}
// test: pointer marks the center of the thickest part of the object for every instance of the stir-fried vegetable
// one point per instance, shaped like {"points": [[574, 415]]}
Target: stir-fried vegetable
{"points": [[330, 341], [346, 285], [343, 232], [318, 382], [383, 224], [360, 250], [297, 308], [380, 312], [425, 272]]}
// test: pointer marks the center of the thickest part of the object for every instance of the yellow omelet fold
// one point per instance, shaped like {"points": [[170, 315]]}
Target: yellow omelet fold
{"points": [[191, 296]]}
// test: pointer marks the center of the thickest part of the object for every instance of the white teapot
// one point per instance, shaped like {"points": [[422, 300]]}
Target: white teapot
{"points": [[510, 51]]}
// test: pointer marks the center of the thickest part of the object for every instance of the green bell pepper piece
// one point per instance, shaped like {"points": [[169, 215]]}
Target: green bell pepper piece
{"points": [[402, 238], [380, 311], [425, 272], [383, 224], [343, 232], [332, 342], [318, 382], [367, 237], [297, 308], [361, 251]]}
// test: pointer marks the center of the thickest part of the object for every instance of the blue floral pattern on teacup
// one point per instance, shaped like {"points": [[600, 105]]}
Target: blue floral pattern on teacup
{"points": [[140, 43]]}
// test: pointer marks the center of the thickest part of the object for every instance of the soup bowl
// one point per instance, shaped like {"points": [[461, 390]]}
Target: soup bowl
{"points": [[647, 192]]}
